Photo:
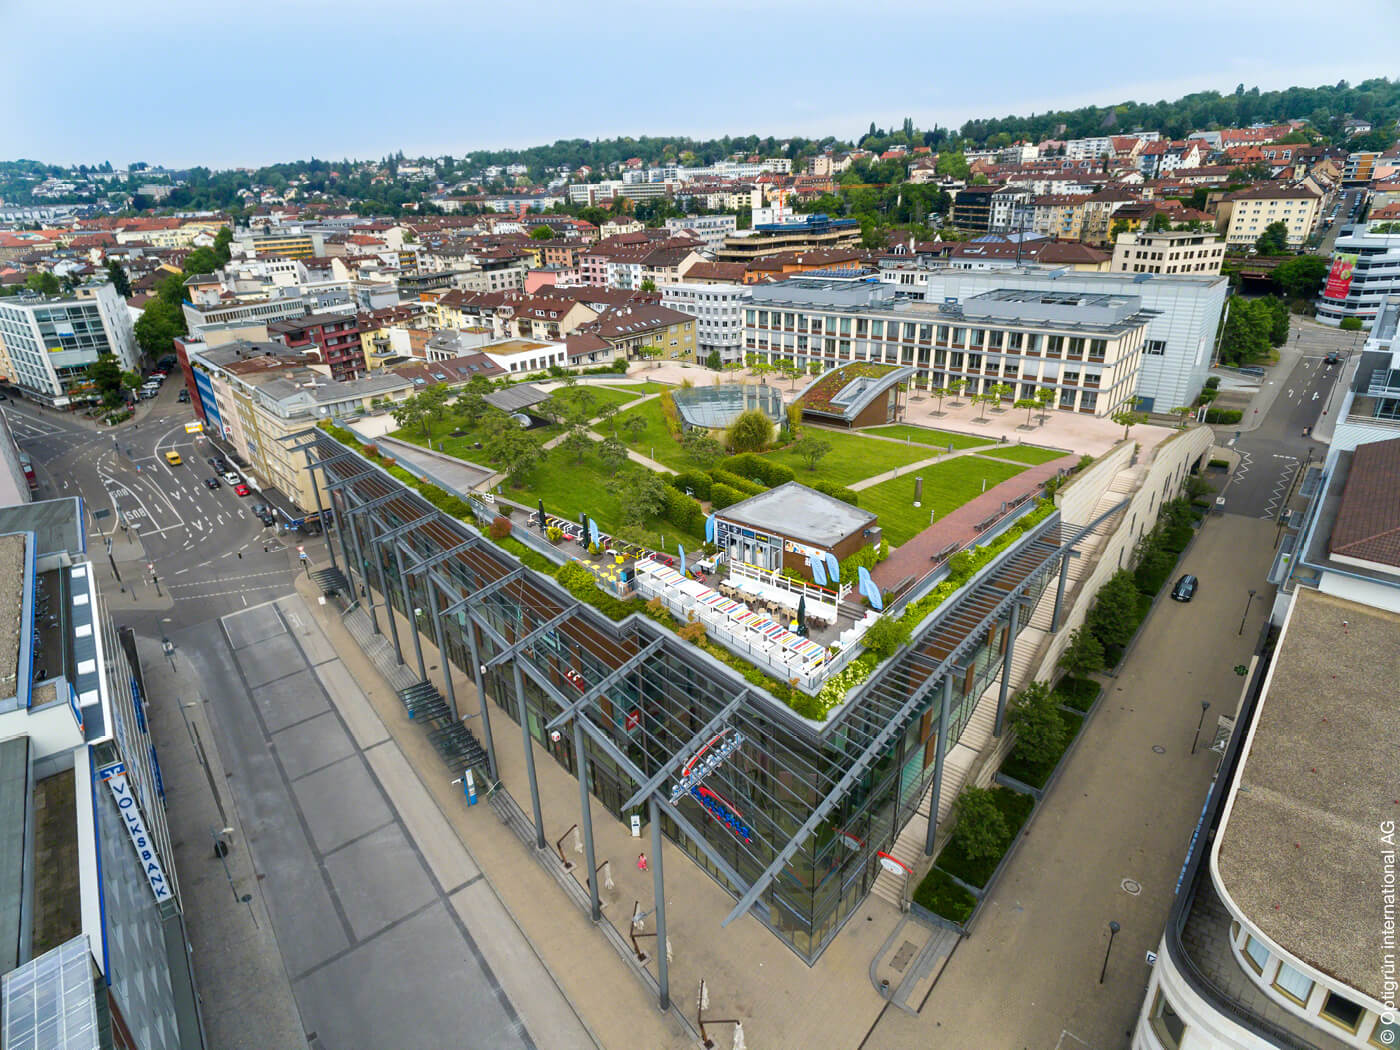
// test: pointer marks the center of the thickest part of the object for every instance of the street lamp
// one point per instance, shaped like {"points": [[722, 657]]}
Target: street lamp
{"points": [[1205, 706], [1113, 929], [1247, 604]]}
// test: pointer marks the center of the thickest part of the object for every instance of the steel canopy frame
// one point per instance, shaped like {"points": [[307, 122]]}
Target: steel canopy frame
{"points": [[605, 683], [521, 644], [655, 781]]}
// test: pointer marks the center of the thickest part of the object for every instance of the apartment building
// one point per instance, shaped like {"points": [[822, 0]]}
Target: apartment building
{"points": [[331, 339], [1087, 347], [1243, 216], [718, 310], [51, 340], [1180, 336], [972, 207], [1365, 269], [629, 329], [711, 230], [92, 936], [1167, 252]]}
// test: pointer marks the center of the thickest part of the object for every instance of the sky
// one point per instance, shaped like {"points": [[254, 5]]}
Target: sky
{"points": [[254, 82]]}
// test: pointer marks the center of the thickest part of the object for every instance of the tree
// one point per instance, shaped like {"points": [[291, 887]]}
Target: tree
{"points": [[956, 387], [1029, 404], [577, 441], [1128, 417], [940, 392], [714, 361], [1350, 324], [201, 260], [223, 241], [981, 832], [131, 380], [1000, 392], [812, 449], [612, 453], [515, 452], [118, 277], [159, 325], [1274, 239], [635, 425], [1046, 397], [701, 447], [1083, 654], [541, 233], [1301, 277], [471, 404], [641, 495], [43, 282], [886, 636], [648, 285], [1114, 617], [105, 374], [953, 164], [649, 353], [1040, 731], [1182, 412], [751, 431]]}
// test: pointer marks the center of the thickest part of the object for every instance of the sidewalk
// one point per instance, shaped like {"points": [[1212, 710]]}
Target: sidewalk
{"points": [[751, 975]]}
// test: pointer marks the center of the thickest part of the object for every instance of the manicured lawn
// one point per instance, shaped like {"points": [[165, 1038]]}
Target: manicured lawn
{"points": [[1032, 455], [947, 486], [656, 441], [648, 387], [852, 457], [463, 446], [569, 489], [928, 436], [602, 395]]}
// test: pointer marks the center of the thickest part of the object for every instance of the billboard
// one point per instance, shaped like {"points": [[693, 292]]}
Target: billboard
{"points": [[1339, 277]]}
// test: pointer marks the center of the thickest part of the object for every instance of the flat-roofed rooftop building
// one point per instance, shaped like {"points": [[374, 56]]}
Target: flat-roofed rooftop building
{"points": [[783, 527]]}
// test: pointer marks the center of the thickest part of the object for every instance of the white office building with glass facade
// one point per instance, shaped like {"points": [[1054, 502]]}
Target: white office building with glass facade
{"points": [[51, 340]]}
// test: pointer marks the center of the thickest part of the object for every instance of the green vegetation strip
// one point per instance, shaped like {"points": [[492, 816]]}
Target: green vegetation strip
{"points": [[947, 486], [938, 439], [852, 457]]}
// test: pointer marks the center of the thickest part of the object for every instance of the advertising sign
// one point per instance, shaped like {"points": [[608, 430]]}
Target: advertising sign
{"points": [[140, 837], [1339, 277]]}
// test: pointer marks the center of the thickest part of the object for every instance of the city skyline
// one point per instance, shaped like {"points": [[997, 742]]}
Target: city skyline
{"points": [[292, 85]]}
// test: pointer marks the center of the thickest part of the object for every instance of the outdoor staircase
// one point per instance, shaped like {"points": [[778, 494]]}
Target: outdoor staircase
{"points": [[331, 581]]}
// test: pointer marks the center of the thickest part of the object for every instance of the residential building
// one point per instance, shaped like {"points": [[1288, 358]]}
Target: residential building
{"points": [[629, 329], [813, 231], [523, 356], [51, 340], [711, 230], [1091, 148], [1004, 255], [331, 339], [1168, 251], [716, 273], [288, 244], [93, 951], [1365, 270], [1087, 347], [972, 207], [201, 316], [1181, 334], [1243, 216], [1280, 932], [718, 310]]}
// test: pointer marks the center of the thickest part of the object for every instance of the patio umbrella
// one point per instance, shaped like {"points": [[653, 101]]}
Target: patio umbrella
{"points": [[594, 536], [802, 616], [541, 517], [870, 589], [710, 529]]}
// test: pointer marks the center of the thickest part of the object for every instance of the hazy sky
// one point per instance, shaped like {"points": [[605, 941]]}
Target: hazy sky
{"points": [[256, 81]]}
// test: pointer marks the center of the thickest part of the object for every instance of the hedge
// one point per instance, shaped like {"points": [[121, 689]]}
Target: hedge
{"points": [[734, 481], [1224, 415], [682, 511], [941, 895], [836, 491], [722, 496], [1015, 808], [750, 465], [670, 413], [697, 481]]}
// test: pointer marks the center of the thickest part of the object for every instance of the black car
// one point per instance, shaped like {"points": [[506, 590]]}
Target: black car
{"points": [[184, 397], [1333, 358], [1185, 588], [211, 483], [267, 519], [220, 464]]}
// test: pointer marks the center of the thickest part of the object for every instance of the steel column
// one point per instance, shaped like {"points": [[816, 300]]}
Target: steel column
{"points": [[1060, 593], [1011, 624], [529, 751], [364, 573], [408, 611], [477, 677], [938, 764], [340, 530], [432, 597], [384, 590], [587, 821], [320, 508], [658, 889]]}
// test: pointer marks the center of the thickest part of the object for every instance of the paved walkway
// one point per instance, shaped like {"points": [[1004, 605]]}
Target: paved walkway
{"points": [[1121, 810]]}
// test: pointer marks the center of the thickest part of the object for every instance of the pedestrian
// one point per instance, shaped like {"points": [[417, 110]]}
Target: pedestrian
{"points": [[641, 862]]}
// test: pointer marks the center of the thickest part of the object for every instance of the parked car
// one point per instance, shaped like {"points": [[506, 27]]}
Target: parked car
{"points": [[1333, 358], [184, 397], [211, 483], [233, 479], [1185, 588], [267, 518], [242, 490]]}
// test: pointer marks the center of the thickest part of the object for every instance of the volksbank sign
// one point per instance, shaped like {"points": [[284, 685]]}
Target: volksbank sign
{"points": [[115, 775]]}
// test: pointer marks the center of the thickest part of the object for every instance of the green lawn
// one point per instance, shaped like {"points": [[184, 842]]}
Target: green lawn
{"points": [[947, 486], [656, 441], [462, 446], [602, 395], [928, 436], [852, 457], [1031, 455], [570, 488]]}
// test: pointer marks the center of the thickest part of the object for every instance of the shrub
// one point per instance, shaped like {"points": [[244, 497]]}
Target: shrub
{"points": [[749, 465], [692, 631], [1213, 382], [1083, 654], [554, 533], [722, 496], [751, 431], [1115, 616], [1015, 808], [1350, 324], [835, 491], [885, 636], [981, 832], [941, 895], [500, 527], [697, 481], [1220, 464], [682, 511], [1224, 416], [734, 481], [1078, 693], [1040, 731], [670, 413]]}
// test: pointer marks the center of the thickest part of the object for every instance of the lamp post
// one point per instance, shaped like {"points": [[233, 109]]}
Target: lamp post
{"points": [[1247, 604], [1113, 929], [1205, 706]]}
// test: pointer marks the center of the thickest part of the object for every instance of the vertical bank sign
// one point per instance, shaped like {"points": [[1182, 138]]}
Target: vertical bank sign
{"points": [[1339, 277], [115, 775]]}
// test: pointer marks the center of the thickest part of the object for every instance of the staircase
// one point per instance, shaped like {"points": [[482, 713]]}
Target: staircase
{"points": [[331, 581], [378, 648]]}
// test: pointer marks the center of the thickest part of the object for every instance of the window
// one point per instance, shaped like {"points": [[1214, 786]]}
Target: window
{"points": [[1295, 985], [1169, 1028], [1386, 1034], [979, 336], [1156, 347], [1342, 1011], [877, 329], [1256, 954], [1053, 343]]}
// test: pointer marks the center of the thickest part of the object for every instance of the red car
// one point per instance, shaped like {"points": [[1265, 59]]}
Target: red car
{"points": [[242, 490]]}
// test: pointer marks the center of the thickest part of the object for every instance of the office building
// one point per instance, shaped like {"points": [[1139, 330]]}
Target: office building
{"points": [[1180, 335], [93, 948], [1365, 270], [51, 340], [1086, 347], [718, 310], [799, 235], [710, 229]]}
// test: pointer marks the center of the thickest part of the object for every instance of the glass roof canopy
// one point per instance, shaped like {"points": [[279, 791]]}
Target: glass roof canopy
{"points": [[715, 407]]}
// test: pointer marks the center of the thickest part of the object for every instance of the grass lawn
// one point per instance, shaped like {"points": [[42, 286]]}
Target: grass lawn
{"points": [[852, 457], [603, 395], [462, 447], [569, 489], [1031, 455], [947, 486], [656, 441], [928, 436]]}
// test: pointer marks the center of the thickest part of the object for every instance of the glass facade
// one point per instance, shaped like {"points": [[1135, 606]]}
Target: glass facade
{"points": [[841, 790]]}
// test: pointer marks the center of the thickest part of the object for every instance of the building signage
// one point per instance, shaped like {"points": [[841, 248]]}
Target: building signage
{"points": [[136, 829], [194, 428], [1339, 277], [723, 811], [893, 864]]}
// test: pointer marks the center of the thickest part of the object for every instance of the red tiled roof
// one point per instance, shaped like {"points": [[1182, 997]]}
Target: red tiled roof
{"points": [[1368, 520]]}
